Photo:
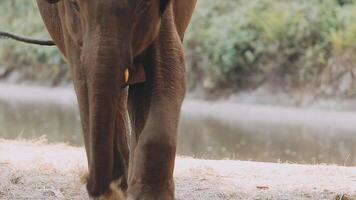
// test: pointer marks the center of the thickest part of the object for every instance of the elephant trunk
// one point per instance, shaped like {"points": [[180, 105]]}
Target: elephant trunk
{"points": [[106, 68]]}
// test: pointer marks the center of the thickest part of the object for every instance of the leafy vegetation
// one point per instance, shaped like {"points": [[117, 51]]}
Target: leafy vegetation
{"points": [[297, 44], [34, 63], [304, 45]]}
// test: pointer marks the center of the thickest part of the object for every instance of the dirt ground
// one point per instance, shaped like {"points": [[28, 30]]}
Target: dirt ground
{"points": [[37, 170]]}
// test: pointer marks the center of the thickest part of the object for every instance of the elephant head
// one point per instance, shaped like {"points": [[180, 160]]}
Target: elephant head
{"points": [[118, 29], [101, 40]]}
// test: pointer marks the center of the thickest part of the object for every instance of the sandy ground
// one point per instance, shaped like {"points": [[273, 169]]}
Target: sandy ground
{"points": [[37, 170]]}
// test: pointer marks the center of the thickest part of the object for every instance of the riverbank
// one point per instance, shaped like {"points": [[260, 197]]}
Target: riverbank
{"points": [[216, 130], [37, 170]]}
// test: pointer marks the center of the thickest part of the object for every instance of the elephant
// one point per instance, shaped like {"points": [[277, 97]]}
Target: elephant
{"points": [[127, 65]]}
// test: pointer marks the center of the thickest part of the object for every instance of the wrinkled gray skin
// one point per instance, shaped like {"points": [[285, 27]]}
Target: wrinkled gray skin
{"points": [[100, 40]]}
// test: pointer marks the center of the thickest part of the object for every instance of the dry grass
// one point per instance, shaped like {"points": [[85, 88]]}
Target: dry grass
{"points": [[37, 170]]}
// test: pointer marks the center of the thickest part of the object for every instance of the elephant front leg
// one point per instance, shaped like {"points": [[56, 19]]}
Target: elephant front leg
{"points": [[121, 148], [154, 149], [118, 185]]}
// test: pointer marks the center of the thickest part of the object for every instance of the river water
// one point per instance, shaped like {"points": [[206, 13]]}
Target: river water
{"points": [[217, 130]]}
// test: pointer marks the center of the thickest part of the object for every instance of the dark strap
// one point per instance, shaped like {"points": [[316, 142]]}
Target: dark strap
{"points": [[26, 40]]}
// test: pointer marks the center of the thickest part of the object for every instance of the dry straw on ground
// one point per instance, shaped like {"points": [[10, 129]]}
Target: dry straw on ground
{"points": [[36, 170]]}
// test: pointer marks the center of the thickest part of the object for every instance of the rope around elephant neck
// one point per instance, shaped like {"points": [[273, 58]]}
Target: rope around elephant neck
{"points": [[6, 35]]}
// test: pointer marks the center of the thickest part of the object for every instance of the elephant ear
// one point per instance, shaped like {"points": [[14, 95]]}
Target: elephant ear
{"points": [[163, 5], [50, 15]]}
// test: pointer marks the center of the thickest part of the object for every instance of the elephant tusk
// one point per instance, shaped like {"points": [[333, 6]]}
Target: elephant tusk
{"points": [[126, 75]]}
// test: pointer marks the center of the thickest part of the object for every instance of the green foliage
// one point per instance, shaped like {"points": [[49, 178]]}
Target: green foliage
{"points": [[37, 63], [236, 43], [230, 44], [344, 2]]}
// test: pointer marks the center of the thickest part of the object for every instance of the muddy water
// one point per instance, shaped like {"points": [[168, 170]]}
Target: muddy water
{"points": [[211, 131]]}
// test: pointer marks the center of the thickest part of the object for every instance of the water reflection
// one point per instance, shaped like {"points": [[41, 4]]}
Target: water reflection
{"points": [[60, 123], [206, 137], [200, 136]]}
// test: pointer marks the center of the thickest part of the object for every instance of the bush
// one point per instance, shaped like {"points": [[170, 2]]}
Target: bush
{"points": [[231, 44], [242, 44], [41, 64]]}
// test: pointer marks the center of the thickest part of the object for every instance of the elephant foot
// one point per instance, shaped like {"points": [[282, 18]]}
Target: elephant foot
{"points": [[147, 195], [115, 192], [142, 192]]}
